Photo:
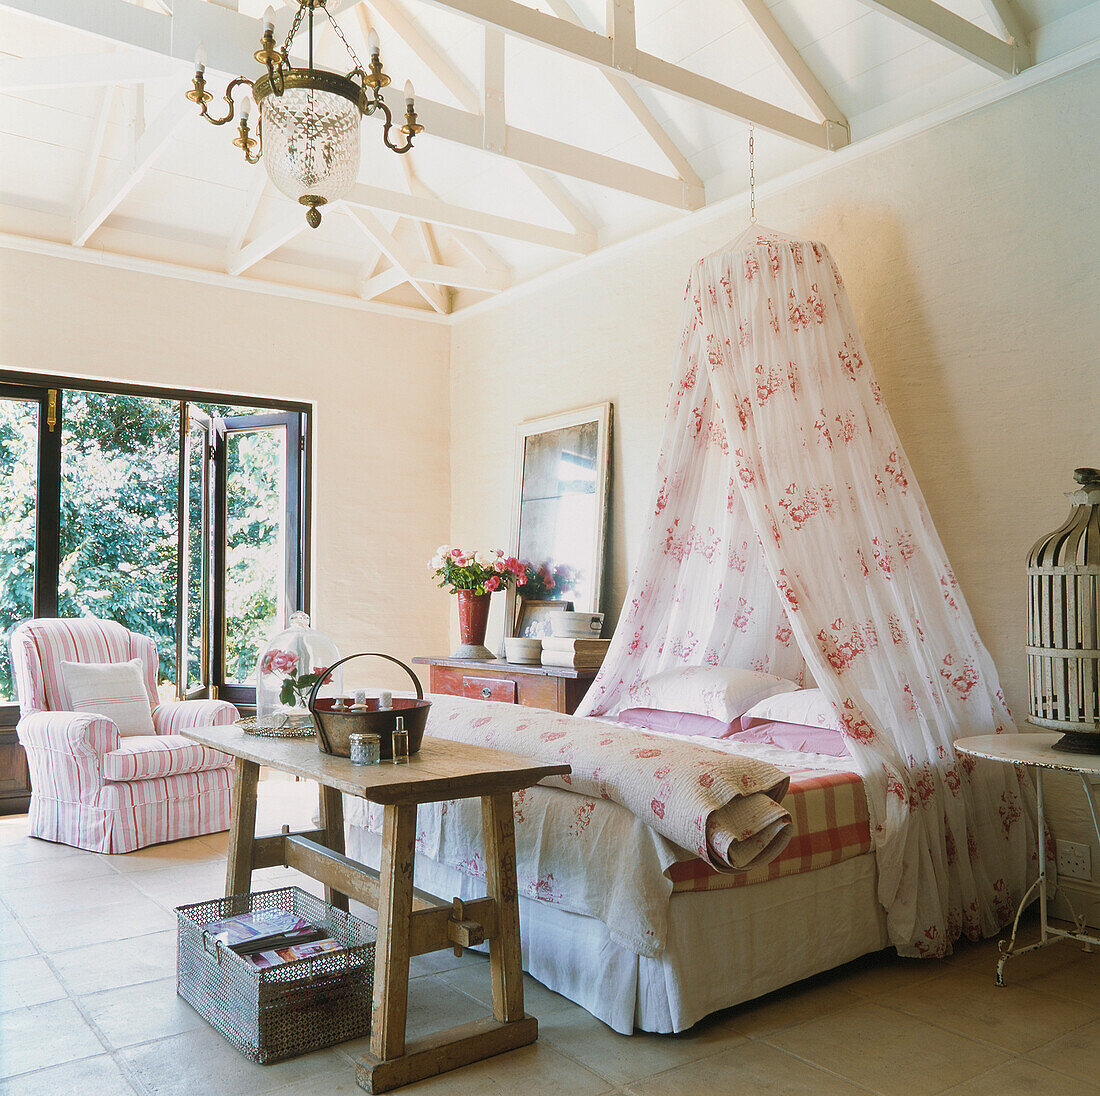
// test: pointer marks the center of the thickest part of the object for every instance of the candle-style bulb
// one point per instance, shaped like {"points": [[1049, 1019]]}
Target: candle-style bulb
{"points": [[409, 96], [246, 108], [269, 19], [200, 59], [372, 42]]}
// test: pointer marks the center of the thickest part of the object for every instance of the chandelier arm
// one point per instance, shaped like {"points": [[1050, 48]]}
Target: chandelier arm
{"points": [[229, 101], [388, 125]]}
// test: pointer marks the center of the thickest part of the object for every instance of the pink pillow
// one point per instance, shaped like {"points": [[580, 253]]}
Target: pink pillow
{"points": [[723, 693], [806, 707], [791, 736], [651, 719]]}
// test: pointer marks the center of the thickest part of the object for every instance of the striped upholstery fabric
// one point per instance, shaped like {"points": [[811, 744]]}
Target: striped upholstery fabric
{"points": [[831, 824], [143, 757], [92, 789]]}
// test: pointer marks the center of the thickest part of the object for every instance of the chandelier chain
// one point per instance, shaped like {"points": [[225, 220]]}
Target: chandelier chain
{"points": [[340, 34], [292, 33], [752, 177]]}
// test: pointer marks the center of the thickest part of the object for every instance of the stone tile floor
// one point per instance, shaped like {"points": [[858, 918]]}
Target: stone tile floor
{"points": [[88, 1004]]}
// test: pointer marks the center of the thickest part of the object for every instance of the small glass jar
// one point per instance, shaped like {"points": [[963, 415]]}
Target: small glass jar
{"points": [[366, 749]]}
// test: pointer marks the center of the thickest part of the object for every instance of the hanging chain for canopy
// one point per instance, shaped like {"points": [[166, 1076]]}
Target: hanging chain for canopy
{"points": [[752, 177]]}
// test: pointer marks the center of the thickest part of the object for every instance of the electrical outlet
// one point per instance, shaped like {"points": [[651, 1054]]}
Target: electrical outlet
{"points": [[1074, 860]]}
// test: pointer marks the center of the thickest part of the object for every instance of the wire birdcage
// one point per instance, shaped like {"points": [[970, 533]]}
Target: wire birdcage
{"points": [[1063, 622]]}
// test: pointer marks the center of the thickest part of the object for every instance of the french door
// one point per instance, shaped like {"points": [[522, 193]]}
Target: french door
{"points": [[241, 545]]}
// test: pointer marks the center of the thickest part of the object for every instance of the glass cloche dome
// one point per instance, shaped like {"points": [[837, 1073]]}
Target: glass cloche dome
{"points": [[288, 669]]}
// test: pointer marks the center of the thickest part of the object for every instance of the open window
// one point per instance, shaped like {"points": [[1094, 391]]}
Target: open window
{"points": [[178, 516]]}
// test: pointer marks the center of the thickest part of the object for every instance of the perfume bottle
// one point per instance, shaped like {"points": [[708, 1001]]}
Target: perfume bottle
{"points": [[400, 740]]}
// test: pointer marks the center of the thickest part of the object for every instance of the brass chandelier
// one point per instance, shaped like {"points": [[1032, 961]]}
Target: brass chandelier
{"points": [[308, 132]]}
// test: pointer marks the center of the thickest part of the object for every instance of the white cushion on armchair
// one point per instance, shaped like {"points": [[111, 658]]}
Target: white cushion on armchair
{"points": [[112, 689], [145, 757]]}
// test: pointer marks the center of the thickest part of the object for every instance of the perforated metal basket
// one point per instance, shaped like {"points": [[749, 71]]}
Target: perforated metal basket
{"points": [[280, 1012]]}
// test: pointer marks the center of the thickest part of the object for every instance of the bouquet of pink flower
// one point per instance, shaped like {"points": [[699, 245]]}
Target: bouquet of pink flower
{"points": [[481, 572]]}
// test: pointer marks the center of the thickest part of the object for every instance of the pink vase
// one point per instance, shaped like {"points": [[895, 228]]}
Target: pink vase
{"points": [[473, 618]]}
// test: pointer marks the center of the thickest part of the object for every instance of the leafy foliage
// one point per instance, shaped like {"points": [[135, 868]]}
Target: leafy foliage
{"points": [[119, 524]]}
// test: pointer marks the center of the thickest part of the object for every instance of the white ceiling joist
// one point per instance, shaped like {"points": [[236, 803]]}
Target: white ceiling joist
{"points": [[378, 284], [1008, 21], [954, 32], [792, 62], [400, 258], [271, 240], [438, 212], [131, 169], [230, 39], [470, 242], [248, 212], [81, 70], [95, 148], [420, 42], [619, 55]]}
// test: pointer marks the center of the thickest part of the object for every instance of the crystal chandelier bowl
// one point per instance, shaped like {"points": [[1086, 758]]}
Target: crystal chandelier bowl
{"points": [[311, 136]]}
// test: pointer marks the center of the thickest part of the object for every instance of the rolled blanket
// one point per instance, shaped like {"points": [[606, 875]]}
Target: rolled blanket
{"points": [[722, 807]]}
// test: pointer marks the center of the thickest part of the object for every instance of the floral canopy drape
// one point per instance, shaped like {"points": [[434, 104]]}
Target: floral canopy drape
{"points": [[789, 533]]}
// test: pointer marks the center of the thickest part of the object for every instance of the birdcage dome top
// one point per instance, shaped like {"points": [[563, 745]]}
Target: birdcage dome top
{"points": [[1076, 543]]}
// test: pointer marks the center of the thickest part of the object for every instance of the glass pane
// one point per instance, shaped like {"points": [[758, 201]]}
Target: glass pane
{"points": [[119, 514], [196, 556], [18, 514], [255, 572]]}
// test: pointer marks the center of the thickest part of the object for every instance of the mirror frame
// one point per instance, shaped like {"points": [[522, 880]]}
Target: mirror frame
{"points": [[601, 414]]}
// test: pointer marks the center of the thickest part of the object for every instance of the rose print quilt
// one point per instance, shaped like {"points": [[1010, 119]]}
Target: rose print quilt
{"points": [[600, 840]]}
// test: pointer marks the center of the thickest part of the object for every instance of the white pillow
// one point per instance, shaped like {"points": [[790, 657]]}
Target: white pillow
{"points": [[113, 689], [806, 707], [717, 691]]}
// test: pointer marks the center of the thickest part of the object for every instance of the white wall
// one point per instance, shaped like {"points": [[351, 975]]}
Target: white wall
{"points": [[381, 425], [970, 253]]}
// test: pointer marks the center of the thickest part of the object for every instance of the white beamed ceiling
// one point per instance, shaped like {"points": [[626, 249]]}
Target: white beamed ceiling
{"points": [[197, 196]]}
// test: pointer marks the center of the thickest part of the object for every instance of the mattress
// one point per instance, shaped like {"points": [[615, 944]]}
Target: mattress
{"points": [[831, 824]]}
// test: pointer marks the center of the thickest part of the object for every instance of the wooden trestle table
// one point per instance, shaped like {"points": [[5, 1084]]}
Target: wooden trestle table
{"points": [[409, 923]]}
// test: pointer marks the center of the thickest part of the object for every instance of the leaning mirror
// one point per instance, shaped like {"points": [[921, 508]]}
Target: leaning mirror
{"points": [[559, 512]]}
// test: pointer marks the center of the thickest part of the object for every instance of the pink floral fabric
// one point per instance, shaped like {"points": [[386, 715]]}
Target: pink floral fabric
{"points": [[788, 532], [724, 808]]}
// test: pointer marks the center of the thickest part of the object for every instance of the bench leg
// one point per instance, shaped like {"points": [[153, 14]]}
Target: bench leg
{"points": [[505, 961], [391, 955], [332, 822], [242, 831]]}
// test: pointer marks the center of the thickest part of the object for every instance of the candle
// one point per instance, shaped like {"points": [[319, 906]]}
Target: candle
{"points": [[372, 42], [200, 59], [409, 93]]}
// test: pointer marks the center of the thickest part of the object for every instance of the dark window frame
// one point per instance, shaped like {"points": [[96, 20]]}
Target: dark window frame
{"points": [[36, 387]]}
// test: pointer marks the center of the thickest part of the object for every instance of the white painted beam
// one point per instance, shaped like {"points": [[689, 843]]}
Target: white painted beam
{"points": [[561, 200], [425, 231], [274, 238], [378, 284], [458, 277], [82, 70], [596, 49], [473, 244], [231, 38], [434, 211], [1010, 24], [130, 171], [493, 111], [203, 276], [952, 31], [95, 148], [636, 105], [792, 62], [251, 203], [397, 255]]}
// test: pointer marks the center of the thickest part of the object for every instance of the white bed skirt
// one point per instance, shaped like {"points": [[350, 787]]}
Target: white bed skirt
{"points": [[724, 946]]}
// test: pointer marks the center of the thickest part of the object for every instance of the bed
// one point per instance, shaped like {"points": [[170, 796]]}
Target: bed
{"points": [[640, 932]]}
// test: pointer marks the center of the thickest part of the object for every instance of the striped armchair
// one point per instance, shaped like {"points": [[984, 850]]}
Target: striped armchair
{"points": [[92, 788]]}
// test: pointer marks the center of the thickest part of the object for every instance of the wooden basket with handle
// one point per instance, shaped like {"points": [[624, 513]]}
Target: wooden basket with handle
{"points": [[334, 726]]}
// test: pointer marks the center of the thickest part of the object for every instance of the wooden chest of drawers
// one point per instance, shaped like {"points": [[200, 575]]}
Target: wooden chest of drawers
{"points": [[557, 688]]}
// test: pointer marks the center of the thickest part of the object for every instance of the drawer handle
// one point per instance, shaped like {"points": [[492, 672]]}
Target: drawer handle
{"points": [[486, 692]]}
